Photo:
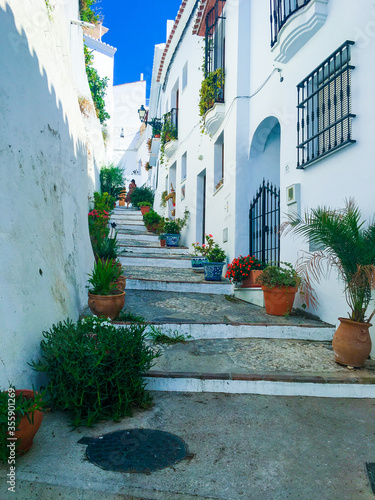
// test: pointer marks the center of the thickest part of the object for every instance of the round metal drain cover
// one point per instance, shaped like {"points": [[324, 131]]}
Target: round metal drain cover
{"points": [[135, 450]]}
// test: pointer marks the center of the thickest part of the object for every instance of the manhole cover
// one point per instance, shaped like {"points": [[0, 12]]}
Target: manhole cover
{"points": [[371, 474], [135, 450]]}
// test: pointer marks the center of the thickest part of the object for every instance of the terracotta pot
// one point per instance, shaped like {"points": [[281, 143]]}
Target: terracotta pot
{"points": [[107, 305], [351, 343], [145, 210], [26, 430], [279, 301], [163, 243], [121, 283], [152, 227], [250, 281]]}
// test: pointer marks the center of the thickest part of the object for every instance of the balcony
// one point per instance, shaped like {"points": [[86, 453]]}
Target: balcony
{"points": [[293, 23], [169, 134]]}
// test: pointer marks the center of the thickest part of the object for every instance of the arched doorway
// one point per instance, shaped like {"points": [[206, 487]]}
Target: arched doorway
{"points": [[264, 210]]}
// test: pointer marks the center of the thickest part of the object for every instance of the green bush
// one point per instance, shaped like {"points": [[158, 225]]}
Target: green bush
{"points": [[96, 370], [216, 254], [175, 226], [97, 86], [144, 204], [152, 220], [142, 194], [112, 180], [86, 13], [275, 276]]}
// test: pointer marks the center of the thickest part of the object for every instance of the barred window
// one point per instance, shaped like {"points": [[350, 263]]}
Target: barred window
{"points": [[280, 12], [324, 108]]}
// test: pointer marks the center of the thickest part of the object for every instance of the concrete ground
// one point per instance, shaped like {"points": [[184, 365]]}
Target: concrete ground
{"points": [[244, 447]]}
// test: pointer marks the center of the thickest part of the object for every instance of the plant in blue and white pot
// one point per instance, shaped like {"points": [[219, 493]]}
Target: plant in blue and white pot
{"points": [[199, 254], [172, 229], [213, 269]]}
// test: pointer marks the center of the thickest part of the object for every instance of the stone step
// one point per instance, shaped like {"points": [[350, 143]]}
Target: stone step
{"points": [[259, 366], [173, 280], [134, 228], [143, 248], [156, 260], [136, 237], [205, 316]]}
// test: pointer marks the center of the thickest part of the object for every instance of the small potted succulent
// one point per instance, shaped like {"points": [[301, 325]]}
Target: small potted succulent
{"points": [[279, 285], [213, 269], [21, 413], [245, 270], [199, 255], [145, 207], [172, 229], [105, 297]]}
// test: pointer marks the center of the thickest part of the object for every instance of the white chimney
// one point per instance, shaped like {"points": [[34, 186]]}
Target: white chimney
{"points": [[141, 77]]}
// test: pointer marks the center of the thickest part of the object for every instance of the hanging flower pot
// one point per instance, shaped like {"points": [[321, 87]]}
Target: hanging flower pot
{"points": [[351, 343]]}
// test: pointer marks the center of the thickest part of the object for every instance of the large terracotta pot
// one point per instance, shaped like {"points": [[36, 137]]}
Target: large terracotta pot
{"points": [[279, 301], [351, 343], [107, 305], [145, 210], [250, 281], [26, 430]]}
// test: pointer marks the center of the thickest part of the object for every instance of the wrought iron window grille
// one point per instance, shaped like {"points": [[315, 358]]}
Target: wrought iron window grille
{"points": [[324, 121], [280, 12]]}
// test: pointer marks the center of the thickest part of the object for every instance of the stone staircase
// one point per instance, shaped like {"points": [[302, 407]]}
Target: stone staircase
{"points": [[233, 346]]}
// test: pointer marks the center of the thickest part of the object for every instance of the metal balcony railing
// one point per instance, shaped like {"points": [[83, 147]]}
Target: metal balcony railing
{"points": [[280, 12], [170, 125]]}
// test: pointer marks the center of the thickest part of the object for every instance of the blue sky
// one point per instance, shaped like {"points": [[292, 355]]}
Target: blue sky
{"points": [[135, 26]]}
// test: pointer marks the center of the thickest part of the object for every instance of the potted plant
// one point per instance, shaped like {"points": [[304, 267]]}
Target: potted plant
{"points": [[21, 412], [152, 220], [140, 194], [213, 269], [279, 285], [245, 270], [348, 245], [105, 299], [145, 206], [199, 256], [172, 229]]}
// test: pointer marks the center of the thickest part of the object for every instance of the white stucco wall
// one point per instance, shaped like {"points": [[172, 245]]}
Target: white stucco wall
{"points": [[103, 61], [260, 127], [44, 242]]}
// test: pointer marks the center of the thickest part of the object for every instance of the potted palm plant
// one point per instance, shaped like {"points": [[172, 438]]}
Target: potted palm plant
{"points": [[348, 245], [105, 298], [21, 412]]}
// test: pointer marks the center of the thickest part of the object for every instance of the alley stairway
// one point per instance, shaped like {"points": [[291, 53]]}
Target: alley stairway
{"points": [[234, 346]]}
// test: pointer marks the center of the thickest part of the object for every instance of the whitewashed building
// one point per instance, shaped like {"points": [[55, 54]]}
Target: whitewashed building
{"points": [[296, 110]]}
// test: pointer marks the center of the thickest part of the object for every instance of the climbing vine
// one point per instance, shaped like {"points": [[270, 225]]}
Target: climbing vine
{"points": [[97, 86], [86, 12]]}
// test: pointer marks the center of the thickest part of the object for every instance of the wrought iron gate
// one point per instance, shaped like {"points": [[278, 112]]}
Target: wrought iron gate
{"points": [[264, 217]]}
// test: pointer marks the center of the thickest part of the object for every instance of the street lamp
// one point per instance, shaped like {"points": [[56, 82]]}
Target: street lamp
{"points": [[142, 114]]}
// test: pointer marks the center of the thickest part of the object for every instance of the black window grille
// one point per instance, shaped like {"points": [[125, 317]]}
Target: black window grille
{"points": [[170, 125], [324, 108], [280, 12], [215, 46]]}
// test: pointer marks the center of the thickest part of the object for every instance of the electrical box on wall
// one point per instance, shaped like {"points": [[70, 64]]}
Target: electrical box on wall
{"points": [[293, 199]]}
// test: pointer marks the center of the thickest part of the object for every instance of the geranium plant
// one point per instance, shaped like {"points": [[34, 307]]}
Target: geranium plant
{"points": [[240, 268], [205, 248]]}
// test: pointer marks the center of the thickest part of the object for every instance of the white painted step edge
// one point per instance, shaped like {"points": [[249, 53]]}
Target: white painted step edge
{"points": [[319, 390]]}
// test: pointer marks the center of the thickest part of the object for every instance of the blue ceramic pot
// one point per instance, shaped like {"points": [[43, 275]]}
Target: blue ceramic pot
{"points": [[213, 271], [172, 239], [197, 263]]}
